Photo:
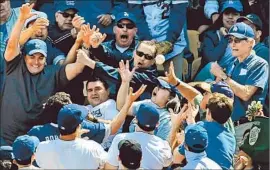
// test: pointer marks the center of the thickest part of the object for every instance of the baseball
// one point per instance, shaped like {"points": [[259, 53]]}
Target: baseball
{"points": [[160, 59]]}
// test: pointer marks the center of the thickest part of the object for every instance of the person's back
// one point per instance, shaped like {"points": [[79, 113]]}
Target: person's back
{"points": [[156, 152], [222, 143], [75, 154]]}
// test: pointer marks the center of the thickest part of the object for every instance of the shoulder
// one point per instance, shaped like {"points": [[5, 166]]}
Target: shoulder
{"points": [[257, 61]]}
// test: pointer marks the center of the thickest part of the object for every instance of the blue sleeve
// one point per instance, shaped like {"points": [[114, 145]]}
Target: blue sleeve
{"points": [[258, 75], [96, 131], [34, 131], [177, 20], [210, 7], [143, 29], [118, 6], [212, 52], [181, 150]]}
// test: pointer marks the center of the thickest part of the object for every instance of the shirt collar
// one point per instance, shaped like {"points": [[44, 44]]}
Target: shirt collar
{"points": [[191, 156]]}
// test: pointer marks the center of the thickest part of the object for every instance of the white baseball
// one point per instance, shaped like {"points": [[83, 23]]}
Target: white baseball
{"points": [[160, 59]]}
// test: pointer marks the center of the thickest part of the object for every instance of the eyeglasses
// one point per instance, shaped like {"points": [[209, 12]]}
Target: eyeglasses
{"points": [[66, 15], [128, 26], [236, 40], [146, 56], [2, 1]]}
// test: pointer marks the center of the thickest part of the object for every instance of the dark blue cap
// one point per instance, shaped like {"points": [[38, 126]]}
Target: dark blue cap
{"points": [[241, 30], [24, 147], [35, 46], [253, 18], [70, 116], [125, 15], [166, 85], [196, 137], [236, 5], [147, 117], [63, 5], [223, 88]]}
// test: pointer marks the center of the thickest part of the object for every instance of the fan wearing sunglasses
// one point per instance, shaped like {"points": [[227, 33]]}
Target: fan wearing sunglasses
{"points": [[122, 46], [248, 76]]}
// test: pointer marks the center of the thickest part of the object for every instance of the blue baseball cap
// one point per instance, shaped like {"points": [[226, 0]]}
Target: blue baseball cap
{"points": [[241, 30], [70, 116], [147, 117], [236, 5], [253, 18], [35, 17], [24, 147], [125, 15], [196, 137], [64, 5], [167, 86], [223, 88], [35, 46]]}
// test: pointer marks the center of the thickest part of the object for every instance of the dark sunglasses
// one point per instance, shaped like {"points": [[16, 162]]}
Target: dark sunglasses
{"points": [[236, 40], [128, 26], [2, 1], [66, 15], [146, 56]]}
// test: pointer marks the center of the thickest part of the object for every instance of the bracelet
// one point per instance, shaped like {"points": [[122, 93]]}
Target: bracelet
{"points": [[177, 84]]}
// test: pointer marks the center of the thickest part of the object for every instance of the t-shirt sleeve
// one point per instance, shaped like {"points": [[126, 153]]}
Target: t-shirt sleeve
{"points": [[258, 76], [113, 152], [61, 78], [110, 109], [11, 65], [167, 154], [100, 155]]}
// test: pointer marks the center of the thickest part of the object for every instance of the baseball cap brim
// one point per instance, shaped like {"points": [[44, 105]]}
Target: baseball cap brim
{"points": [[237, 35], [243, 18], [37, 51]]}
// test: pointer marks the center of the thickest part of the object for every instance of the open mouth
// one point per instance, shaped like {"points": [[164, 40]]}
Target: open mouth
{"points": [[124, 37]]}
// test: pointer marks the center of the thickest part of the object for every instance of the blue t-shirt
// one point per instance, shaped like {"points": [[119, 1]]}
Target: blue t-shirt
{"points": [[253, 71], [50, 131], [221, 144]]}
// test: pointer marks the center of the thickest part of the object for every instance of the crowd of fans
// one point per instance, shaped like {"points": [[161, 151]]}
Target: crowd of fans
{"points": [[110, 84]]}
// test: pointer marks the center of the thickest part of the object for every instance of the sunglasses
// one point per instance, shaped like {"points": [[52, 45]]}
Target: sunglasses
{"points": [[2, 1], [66, 15], [146, 56], [236, 40], [128, 26]]}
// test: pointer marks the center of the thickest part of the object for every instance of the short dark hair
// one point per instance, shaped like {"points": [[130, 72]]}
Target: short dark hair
{"points": [[54, 104], [24, 162], [197, 146], [220, 107], [64, 132], [94, 79]]}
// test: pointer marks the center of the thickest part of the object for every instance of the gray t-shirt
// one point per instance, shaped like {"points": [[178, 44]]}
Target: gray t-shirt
{"points": [[24, 94]]}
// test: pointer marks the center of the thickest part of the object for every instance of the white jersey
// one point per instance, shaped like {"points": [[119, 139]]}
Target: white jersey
{"points": [[75, 154], [156, 153], [107, 111], [157, 17]]}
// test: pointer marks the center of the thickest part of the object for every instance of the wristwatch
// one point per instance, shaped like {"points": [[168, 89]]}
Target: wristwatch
{"points": [[113, 17]]}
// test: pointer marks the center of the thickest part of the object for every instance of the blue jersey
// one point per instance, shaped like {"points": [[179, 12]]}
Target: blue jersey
{"points": [[49, 131]]}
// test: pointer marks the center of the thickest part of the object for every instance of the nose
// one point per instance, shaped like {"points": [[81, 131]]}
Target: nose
{"points": [[230, 15], [125, 28]]}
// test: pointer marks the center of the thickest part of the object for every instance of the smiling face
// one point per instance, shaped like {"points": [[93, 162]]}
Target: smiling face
{"points": [[124, 31], [229, 18], [144, 55], [64, 19], [35, 63], [97, 93]]}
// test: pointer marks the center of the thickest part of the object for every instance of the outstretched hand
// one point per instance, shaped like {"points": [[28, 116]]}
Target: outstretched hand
{"points": [[92, 37], [25, 11], [170, 77], [125, 73], [134, 96]]}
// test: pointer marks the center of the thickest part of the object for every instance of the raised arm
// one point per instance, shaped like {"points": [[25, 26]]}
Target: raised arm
{"points": [[186, 90], [121, 116], [13, 48], [126, 76]]}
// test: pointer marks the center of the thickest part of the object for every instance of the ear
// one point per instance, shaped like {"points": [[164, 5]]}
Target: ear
{"points": [[258, 34], [56, 16], [135, 30], [114, 29]]}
